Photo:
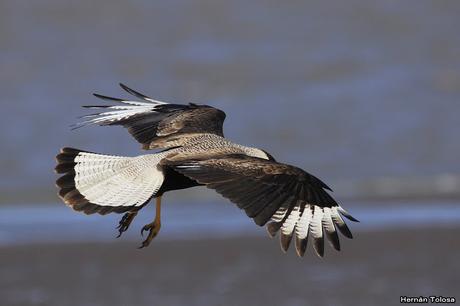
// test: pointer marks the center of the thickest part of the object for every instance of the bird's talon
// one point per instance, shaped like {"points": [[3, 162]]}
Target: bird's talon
{"points": [[153, 229], [147, 227], [125, 222]]}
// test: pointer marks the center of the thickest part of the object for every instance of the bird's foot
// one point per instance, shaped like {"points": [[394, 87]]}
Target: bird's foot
{"points": [[125, 222], [154, 229]]}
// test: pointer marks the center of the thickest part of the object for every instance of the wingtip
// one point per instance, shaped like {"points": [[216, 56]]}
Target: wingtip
{"points": [[273, 228], [347, 215], [318, 245], [344, 230], [133, 92], [107, 98], [285, 241], [76, 126], [99, 96], [301, 246], [139, 95], [333, 239]]}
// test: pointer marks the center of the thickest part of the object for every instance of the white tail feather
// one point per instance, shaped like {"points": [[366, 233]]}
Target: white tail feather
{"points": [[117, 181]]}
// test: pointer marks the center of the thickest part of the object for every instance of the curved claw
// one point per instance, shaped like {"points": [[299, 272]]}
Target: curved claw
{"points": [[125, 222], [144, 229], [121, 229], [153, 229], [144, 244]]}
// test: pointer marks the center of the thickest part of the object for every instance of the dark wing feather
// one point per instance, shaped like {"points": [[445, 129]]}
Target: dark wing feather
{"points": [[295, 201], [153, 122]]}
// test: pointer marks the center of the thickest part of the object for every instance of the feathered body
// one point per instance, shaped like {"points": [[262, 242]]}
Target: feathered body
{"points": [[195, 152]]}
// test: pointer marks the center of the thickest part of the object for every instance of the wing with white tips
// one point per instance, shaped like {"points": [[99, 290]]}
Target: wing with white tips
{"points": [[151, 121], [287, 198]]}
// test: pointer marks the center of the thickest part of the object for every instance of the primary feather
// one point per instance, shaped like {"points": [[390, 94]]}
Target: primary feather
{"points": [[284, 198]]}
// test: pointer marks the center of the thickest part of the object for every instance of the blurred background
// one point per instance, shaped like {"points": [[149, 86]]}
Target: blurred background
{"points": [[363, 94]]}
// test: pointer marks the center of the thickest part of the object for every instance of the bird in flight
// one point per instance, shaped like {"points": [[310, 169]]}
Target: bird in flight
{"points": [[194, 152]]}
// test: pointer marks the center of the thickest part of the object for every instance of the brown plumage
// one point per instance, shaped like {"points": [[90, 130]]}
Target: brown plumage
{"points": [[284, 198]]}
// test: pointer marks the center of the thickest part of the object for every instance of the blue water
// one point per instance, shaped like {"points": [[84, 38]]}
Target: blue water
{"points": [[346, 91], [56, 223]]}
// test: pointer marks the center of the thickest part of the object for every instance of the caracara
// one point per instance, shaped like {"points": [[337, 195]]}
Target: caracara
{"points": [[194, 152]]}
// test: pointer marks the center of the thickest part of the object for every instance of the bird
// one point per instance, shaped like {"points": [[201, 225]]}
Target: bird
{"points": [[188, 149]]}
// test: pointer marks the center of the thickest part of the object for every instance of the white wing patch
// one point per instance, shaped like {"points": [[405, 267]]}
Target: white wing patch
{"points": [[314, 221], [304, 223], [336, 218], [279, 214], [327, 222], [288, 226], [316, 228], [119, 112], [117, 181]]}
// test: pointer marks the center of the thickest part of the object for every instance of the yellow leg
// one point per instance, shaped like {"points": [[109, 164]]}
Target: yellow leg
{"points": [[154, 227]]}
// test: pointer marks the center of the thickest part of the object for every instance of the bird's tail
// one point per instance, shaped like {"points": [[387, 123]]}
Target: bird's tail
{"points": [[103, 183]]}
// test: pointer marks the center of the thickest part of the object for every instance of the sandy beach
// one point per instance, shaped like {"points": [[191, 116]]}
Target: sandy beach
{"points": [[373, 269]]}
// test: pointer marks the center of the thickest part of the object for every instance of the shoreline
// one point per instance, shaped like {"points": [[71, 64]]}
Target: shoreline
{"points": [[443, 187], [374, 268]]}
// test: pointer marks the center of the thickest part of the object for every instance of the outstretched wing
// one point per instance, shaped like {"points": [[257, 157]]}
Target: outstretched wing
{"points": [[150, 121], [293, 200]]}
